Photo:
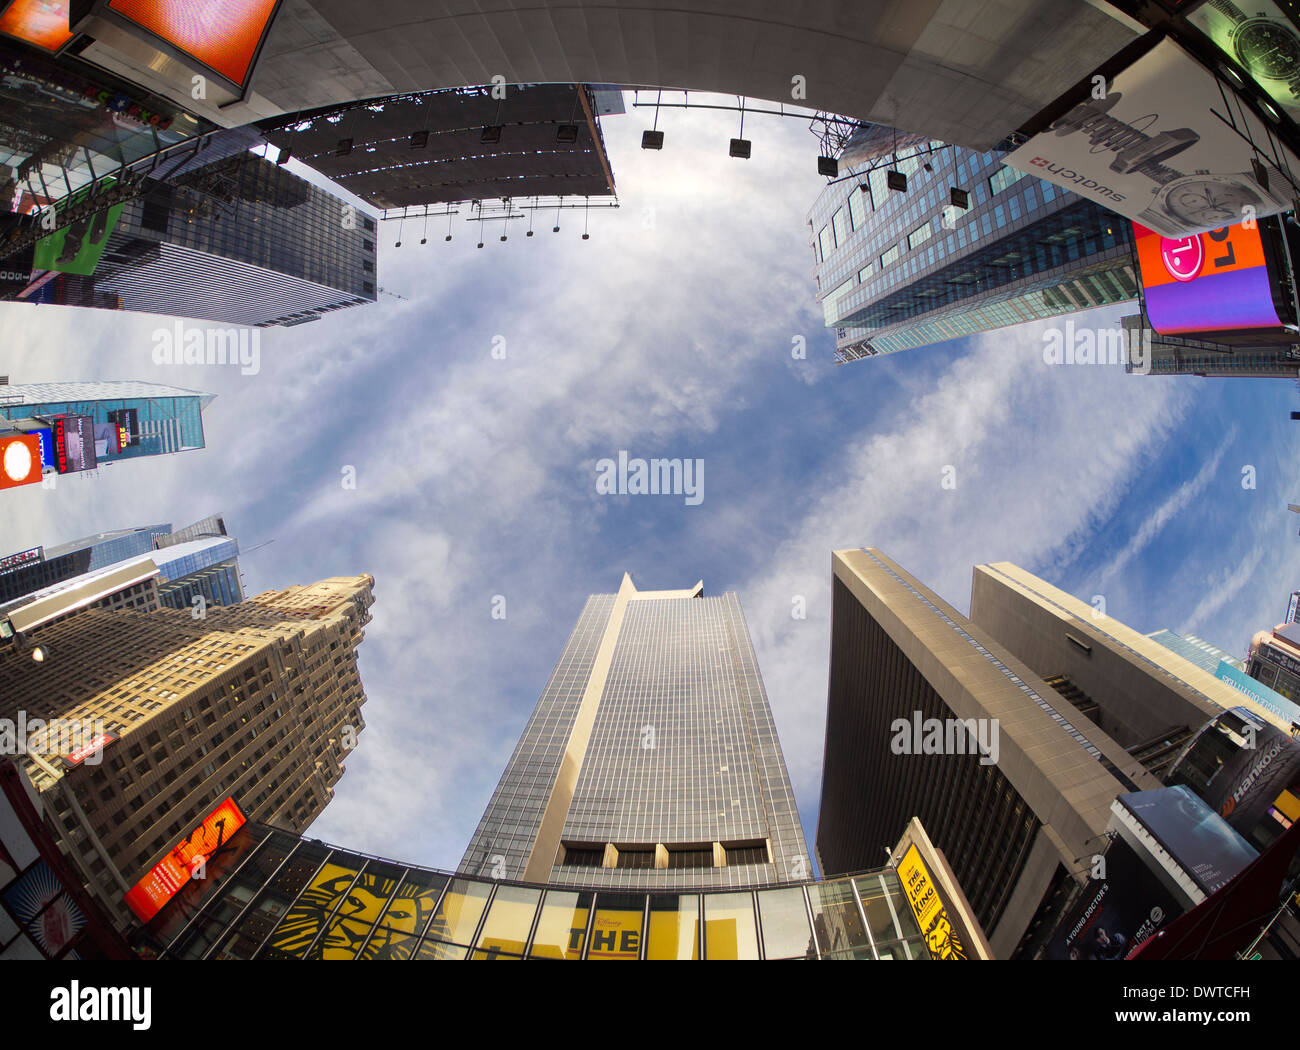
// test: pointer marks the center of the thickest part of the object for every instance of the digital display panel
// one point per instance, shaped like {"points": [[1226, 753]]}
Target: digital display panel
{"points": [[12, 561], [74, 444], [1258, 36], [1206, 282], [46, 437], [43, 23], [223, 35], [171, 873], [20, 460]]}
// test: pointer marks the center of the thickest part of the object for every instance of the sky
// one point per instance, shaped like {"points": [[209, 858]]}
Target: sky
{"points": [[474, 409]]}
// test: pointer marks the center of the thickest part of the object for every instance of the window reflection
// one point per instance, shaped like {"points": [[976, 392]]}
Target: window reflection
{"points": [[508, 923], [786, 934], [729, 931], [562, 927], [837, 921], [458, 914]]}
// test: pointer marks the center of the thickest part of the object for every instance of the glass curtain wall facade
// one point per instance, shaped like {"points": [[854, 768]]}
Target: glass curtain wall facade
{"points": [[651, 759], [240, 241], [900, 269], [271, 895]]}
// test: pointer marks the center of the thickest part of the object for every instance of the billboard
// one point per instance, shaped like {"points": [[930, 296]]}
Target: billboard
{"points": [[82, 753], [42, 23], [1262, 40], [13, 561], [1196, 838], [1207, 282], [77, 248], [129, 420], [1114, 914], [1155, 150], [931, 915], [74, 443], [1258, 691], [20, 460], [223, 35], [171, 873]]}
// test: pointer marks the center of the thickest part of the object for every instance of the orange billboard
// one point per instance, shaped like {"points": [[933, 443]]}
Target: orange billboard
{"points": [[223, 35], [148, 895], [40, 22], [20, 460]]}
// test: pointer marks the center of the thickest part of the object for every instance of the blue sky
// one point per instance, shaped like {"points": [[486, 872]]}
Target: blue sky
{"points": [[668, 334]]}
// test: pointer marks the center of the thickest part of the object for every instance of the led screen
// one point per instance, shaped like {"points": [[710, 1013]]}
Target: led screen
{"points": [[171, 873], [221, 34], [1206, 282]]}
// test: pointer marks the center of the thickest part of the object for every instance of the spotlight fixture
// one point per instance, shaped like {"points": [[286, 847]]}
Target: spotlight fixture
{"points": [[491, 135], [566, 134], [529, 233], [419, 139], [503, 236], [39, 653], [284, 156], [586, 236], [828, 166], [447, 238], [555, 229], [928, 166], [896, 180], [652, 140], [958, 198], [1261, 173], [398, 244], [480, 244], [424, 240], [740, 148], [344, 148]]}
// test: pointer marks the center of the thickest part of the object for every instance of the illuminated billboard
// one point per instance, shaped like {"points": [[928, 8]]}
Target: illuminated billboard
{"points": [[221, 35], [94, 746], [77, 248], [1156, 151], [43, 23], [13, 561], [171, 873], [1218, 281], [20, 460], [1260, 38], [74, 444]]}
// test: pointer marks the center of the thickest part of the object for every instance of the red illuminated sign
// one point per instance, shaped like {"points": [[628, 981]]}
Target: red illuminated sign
{"points": [[82, 753], [1183, 257], [148, 895], [20, 460]]}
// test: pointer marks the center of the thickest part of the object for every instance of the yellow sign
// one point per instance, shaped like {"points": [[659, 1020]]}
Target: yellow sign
{"points": [[923, 895]]}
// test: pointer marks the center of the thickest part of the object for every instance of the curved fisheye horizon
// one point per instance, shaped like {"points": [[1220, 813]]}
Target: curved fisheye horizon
{"points": [[462, 497]]}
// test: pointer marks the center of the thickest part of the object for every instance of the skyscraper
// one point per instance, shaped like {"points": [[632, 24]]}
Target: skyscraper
{"points": [[256, 704], [651, 758], [1020, 783], [1196, 650], [240, 241], [83, 426], [198, 560], [902, 268]]}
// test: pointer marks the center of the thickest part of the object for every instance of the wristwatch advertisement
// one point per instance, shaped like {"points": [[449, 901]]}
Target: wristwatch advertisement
{"points": [[1153, 149], [1260, 38]]}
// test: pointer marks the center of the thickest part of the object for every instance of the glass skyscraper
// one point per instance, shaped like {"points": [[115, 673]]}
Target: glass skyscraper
{"points": [[897, 269], [651, 758], [86, 425]]}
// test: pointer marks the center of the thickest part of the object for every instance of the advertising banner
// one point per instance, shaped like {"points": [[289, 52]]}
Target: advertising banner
{"points": [[1198, 840], [1114, 914], [20, 460], [1155, 150], [82, 753], [43, 23], [1206, 282], [46, 437], [1262, 40], [13, 561], [78, 248], [1258, 691], [927, 906], [171, 873], [74, 443]]}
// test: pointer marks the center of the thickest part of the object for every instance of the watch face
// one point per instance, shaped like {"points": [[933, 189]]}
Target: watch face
{"points": [[1210, 201], [1268, 50]]}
